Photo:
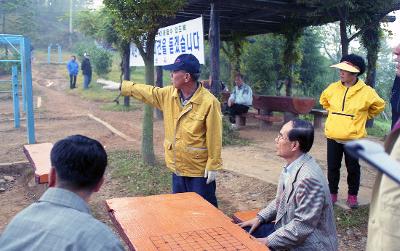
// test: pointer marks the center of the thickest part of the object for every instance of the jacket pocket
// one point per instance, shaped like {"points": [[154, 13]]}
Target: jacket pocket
{"points": [[196, 158], [194, 123], [169, 153], [341, 126]]}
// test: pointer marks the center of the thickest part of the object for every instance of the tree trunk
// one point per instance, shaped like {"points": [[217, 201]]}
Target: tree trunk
{"points": [[371, 41], [147, 128], [159, 83], [343, 37], [214, 39], [126, 68]]}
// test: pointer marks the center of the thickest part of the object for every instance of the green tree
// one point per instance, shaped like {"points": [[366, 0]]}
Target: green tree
{"points": [[315, 73], [100, 26], [292, 55], [233, 50], [139, 21], [262, 64], [355, 16], [16, 18]]}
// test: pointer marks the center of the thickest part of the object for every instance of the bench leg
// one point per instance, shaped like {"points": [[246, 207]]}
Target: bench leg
{"points": [[240, 120], [289, 116], [264, 124], [317, 121]]}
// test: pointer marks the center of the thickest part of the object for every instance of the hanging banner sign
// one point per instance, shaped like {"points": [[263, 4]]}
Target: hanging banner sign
{"points": [[171, 41]]}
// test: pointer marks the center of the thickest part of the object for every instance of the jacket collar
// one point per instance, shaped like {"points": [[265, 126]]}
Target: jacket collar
{"points": [[196, 98], [288, 192], [65, 198], [357, 86]]}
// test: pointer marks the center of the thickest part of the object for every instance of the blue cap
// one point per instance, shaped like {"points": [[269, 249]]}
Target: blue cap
{"points": [[184, 62]]}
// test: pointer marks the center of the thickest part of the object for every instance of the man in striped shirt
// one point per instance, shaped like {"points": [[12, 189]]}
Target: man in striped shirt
{"points": [[301, 215]]}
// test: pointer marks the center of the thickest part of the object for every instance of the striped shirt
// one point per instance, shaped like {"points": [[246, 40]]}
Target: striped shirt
{"points": [[59, 220]]}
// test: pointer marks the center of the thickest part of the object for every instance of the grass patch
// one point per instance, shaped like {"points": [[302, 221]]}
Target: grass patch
{"points": [[380, 128], [231, 136], [120, 108], [137, 177], [351, 218], [95, 91]]}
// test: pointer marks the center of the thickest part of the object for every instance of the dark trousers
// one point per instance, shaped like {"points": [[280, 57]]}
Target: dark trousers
{"points": [[237, 109], [263, 230], [335, 155], [395, 117], [182, 184], [72, 81]]}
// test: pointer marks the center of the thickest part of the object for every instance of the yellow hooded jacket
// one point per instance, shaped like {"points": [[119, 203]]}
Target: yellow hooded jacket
{"points": [[193, 133], [348, 109]]}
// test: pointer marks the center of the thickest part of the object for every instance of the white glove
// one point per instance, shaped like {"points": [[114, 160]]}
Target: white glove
{"points": [[210, 175]]}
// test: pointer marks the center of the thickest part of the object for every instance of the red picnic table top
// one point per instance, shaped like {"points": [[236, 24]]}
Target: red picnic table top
{"points": [[183, 221], [39, 157]]}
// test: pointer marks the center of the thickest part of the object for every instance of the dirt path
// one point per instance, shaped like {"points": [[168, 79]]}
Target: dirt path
{"points": [[248, 183]]}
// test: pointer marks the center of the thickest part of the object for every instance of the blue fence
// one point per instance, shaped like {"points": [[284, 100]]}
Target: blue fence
{"points": [[21, 47]]}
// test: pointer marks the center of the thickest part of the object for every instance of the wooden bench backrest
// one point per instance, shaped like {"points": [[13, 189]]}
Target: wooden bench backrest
{"points": [[294, 105], [39, 157]]}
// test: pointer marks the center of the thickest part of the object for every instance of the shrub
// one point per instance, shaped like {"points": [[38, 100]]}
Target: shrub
{"points": [[100, 58]]}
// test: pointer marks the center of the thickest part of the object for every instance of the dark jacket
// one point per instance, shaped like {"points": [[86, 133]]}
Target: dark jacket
{"points": [[86, 67], [395, 96]]}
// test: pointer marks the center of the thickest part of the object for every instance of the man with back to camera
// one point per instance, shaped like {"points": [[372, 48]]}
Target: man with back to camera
{"points": [[86, 71], [61, 218], [192, 124], [301, 216]]}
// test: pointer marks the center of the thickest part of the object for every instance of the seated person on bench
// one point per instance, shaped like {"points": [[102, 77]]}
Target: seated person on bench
{"points": [[61, 218], [302, 209], [241, 98]]}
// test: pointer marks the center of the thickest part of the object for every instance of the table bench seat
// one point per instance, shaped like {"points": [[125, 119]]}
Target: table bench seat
{"points": [[242, 216], [39, 158]]}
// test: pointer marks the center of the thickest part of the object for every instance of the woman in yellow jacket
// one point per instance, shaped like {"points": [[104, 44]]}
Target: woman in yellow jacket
{"points": [[350, 103]]}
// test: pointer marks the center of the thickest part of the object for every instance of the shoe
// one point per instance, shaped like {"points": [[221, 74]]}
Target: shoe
{"points": [[352, 201], [234, 126], [333, 198]]}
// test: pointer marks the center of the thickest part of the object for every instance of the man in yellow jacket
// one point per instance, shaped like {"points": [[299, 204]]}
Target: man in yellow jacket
{"points": [[350, 103], [192, 124]]}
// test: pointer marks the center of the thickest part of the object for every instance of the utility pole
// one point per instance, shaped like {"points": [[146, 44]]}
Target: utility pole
{"points": [[70, 23]]}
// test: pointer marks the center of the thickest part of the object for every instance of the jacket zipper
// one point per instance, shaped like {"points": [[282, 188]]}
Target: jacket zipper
{"points": [[344, 98], [343, 114], [177, 122]]}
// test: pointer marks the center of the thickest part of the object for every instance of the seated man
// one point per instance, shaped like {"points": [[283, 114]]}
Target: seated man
{"points": [[241, 98], [61, 218], [302, 209]]}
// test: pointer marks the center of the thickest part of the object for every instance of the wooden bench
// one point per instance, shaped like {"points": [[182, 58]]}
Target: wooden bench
{"points": [[39, 158], [267, 105], [318, 117], [290, 106], [242, 216], [240, 120]]}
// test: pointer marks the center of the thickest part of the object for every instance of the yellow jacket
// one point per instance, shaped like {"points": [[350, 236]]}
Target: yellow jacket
{"points": [[348, 109], [193, 133]]}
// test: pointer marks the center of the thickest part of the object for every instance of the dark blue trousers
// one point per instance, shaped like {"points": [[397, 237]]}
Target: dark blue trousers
{"points": [[263, 230], [182, 184]]}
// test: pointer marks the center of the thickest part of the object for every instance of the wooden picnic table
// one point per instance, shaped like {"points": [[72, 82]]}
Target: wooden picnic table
{"points": [[183, 221], [39, 158]]}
